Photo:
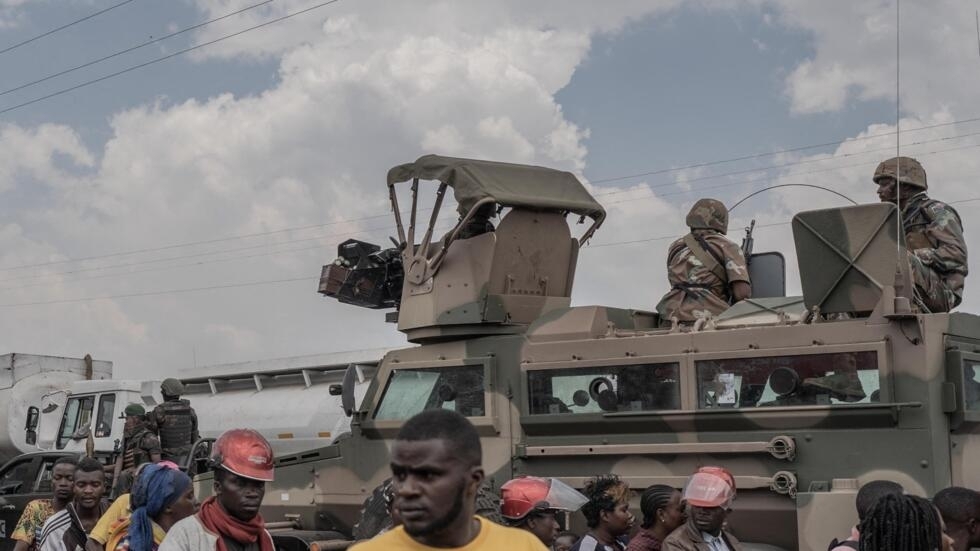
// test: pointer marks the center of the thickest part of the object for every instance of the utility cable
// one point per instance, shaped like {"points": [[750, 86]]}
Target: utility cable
{"points": [[598, 194], [130, 49], [63, 27], [312, 280], [163, 292], [166, 57]]}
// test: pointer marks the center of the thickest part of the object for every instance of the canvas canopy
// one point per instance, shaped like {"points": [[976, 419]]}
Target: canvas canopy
{"points": [[507, 184]]}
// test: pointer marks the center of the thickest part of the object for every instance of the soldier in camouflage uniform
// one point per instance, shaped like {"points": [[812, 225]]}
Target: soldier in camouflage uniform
{"points": [[706, 271], [175, 422], [139, 446], [933, 234]]}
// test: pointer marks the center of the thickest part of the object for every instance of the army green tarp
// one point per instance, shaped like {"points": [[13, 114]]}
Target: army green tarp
{"points": [[508, 184]]}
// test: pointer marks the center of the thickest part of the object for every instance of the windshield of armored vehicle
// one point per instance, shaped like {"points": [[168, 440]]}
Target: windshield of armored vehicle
{"points": [[971, 385], [409, 391], [809, 380], [643, 387]]}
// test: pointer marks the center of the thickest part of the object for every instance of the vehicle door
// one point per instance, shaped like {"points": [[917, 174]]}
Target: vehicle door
{"points": [[18, 480]]}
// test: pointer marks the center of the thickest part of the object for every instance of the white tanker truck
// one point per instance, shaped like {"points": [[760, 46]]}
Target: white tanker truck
{"points": [[60, 404], [33, 392]]}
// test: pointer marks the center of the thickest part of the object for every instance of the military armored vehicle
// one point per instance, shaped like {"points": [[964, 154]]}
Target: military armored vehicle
{"points": [[802, 398]]}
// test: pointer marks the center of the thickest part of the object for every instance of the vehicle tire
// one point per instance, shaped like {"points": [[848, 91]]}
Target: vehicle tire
{"points": [[375, 516]]}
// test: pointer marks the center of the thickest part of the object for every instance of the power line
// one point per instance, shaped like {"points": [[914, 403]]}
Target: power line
{"points": [[790, 164], [166, 57], [63, 27], [189, 244], [308, 279], [779, 152], [602, 194], [130, 49], [153, 293]]}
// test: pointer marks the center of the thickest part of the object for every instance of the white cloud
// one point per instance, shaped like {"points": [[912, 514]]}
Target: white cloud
{"points": [[358, 93], [855, 55]]}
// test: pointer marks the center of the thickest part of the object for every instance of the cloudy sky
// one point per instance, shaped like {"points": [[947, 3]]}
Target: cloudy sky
{"points": [[179, 213]]}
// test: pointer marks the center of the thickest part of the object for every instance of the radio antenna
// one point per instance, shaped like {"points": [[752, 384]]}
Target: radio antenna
{"points": [[898, 131]]}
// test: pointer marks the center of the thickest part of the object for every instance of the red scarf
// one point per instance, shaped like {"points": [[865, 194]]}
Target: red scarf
{"points": [[215, 519]]}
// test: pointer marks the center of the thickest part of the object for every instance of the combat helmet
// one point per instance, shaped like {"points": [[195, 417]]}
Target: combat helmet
{"points": [[172, 387], [708, 214], [906, 170]]}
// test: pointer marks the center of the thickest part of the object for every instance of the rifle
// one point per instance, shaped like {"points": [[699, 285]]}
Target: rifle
{"points": [[748, 242]]}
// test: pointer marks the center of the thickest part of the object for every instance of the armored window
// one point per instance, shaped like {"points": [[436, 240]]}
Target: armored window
{"points": [[410, 391], [808, 380], [78, 414], [971, 385], [641, 387], [103, 419]]}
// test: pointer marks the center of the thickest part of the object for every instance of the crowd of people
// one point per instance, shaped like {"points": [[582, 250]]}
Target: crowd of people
{"points": [[436, 467]]}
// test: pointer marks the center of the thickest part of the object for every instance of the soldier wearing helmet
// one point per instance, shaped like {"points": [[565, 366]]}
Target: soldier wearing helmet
{"points": [[139, 446], [531, 503], [706, 271], [175, 421], [933, 234], [229, 520], [709, 494]]}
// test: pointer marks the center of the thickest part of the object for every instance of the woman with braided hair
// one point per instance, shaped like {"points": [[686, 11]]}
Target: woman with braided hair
{"points": [[903, 523], [161, 496], [663, 512]]}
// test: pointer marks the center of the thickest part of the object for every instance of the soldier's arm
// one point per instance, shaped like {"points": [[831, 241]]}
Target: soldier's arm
{"points": [[736, 268], [195, 435], [152, 421], [152, 446], [947, 231]]}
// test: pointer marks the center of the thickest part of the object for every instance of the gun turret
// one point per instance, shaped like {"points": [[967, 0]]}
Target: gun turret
{"points": [[477, 279], [364, 275]]}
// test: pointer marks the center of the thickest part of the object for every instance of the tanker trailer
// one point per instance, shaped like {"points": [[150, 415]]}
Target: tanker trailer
{"points": [[33, 392], [294, 402]]}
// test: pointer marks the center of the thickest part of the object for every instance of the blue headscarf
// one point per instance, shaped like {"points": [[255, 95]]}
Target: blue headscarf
{"points": [[156, 488]]}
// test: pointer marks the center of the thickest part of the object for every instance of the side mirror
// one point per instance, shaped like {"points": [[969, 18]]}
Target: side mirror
{"points": [[33, 415], [347, 390]]}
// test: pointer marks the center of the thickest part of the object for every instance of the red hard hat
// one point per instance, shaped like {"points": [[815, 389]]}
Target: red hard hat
{"points": [[528, 493], [244, 452], [710, 487]]}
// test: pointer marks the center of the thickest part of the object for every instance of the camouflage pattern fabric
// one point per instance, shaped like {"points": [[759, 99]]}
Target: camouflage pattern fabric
{"points": [[696, 292], [175, 423], [139, 447], [937, 252]]}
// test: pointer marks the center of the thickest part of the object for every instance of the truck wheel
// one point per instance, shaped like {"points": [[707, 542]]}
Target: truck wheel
{"points": [[375, 516]]}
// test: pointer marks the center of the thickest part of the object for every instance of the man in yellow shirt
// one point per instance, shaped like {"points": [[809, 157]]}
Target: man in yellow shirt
{"points": [[436, 466]]}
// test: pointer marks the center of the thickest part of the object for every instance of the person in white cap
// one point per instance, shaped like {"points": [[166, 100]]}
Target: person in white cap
{"points": [[709, 494]]}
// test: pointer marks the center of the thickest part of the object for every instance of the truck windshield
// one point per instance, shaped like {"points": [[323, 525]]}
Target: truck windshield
{"points": [[971, 385], [410, 391], [78, 414], [810, 380], [642, 387]]}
